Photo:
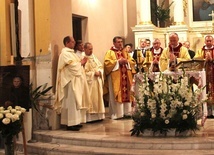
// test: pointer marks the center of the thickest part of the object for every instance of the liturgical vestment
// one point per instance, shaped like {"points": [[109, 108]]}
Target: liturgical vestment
{"points": [[180, 52], [209, 68], [96, 108], [72, 94], [119, 78]]}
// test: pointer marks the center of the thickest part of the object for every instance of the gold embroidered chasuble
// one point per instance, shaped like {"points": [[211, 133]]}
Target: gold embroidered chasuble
{"points": [[121, 77], [209, 68], [181, 53]]}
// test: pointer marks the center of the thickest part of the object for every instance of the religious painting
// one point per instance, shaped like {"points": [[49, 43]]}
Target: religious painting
{"points": [[12, 77], [202, 10]]}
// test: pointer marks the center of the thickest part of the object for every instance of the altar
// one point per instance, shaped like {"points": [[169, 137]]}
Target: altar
{"points": [[167, 101]]}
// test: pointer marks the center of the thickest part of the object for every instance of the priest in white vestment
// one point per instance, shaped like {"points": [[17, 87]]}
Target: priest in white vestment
{"points": [[79, 49], [72, 97], [94, 76]]}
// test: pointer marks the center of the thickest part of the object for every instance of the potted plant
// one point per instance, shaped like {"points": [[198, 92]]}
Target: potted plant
{"points": [[162, 13], [35, 95]]}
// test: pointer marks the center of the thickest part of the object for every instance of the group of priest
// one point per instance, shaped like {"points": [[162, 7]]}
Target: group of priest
{"points": [[83, 81]]}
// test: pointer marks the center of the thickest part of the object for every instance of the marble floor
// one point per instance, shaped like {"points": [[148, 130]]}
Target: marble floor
{"points": [[115, 134]]}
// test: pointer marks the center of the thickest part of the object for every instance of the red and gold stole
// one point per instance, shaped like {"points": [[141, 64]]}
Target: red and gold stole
{"points": [[175, 50], [124, 80], [155, 54], [209, 74]]}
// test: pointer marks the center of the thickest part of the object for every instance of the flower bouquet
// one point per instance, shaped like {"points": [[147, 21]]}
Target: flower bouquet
{"points": [[10, 124], [164, 103]]}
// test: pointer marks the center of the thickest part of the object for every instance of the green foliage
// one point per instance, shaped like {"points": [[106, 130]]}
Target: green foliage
{"points": [[40, 91], [161, 13]]}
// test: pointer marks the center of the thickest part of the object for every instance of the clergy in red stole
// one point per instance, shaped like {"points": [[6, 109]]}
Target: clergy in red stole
{"points": [[174, 53], [118, 72], [155, 54], [207, 53]]}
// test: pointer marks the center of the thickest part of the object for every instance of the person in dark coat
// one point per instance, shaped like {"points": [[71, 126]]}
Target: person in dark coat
{"points": [[187, 45], [19, 94]]}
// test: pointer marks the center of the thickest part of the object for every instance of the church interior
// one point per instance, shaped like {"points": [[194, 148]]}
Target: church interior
{"points": [[31, 34]]}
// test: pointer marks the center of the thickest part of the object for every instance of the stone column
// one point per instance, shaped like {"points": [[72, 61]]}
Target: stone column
{"points": [[144, 12], [26, 27], [178, 12]]}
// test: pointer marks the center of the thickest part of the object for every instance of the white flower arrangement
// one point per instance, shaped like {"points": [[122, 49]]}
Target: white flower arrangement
{"points": [[11, 120], [166, 102]]}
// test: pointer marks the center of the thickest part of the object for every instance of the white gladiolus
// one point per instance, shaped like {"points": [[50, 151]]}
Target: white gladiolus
{"points": [[169, 115], [153, 115], [184, 111], [184, 116], [186, 103], [166, 121], [147, 92], [6, 121], [142, 114]]}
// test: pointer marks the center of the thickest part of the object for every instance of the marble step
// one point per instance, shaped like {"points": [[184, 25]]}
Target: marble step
{"points": [[125, 141], [41, 148], [112, 137]]}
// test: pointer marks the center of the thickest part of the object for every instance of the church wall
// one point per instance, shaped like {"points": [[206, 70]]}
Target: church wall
{"points": [[105, 20], [42, 26], [61, 26], [131, 21], [52, 24]]}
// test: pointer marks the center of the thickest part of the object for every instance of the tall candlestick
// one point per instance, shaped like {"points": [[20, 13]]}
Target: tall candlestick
{"points": [[147, 56], [139, 57]]}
